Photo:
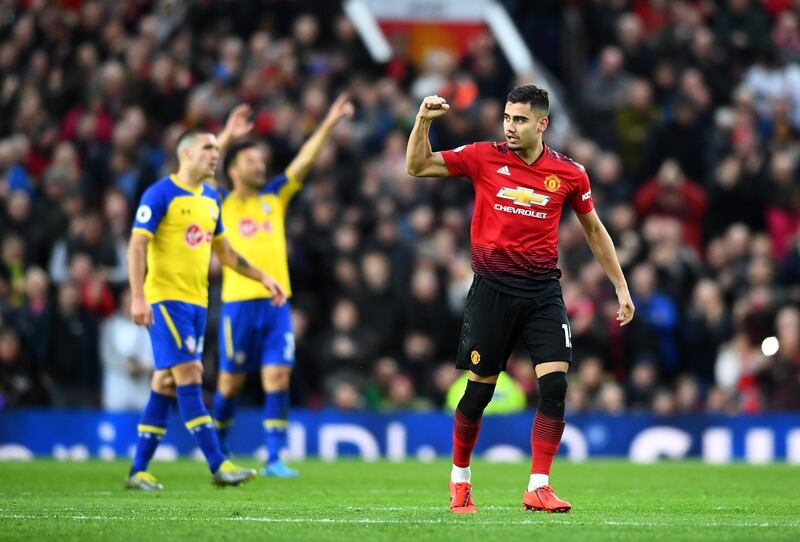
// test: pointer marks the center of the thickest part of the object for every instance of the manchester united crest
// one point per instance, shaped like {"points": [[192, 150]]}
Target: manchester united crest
{"points": [[475, 357], [552, 183]]}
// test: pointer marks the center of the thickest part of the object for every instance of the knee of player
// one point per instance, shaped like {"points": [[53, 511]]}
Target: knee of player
{"points": [[188, 373], [276, 378], [229, 386], [552, 394], [476, 398], [163, 383], [553, 385]]}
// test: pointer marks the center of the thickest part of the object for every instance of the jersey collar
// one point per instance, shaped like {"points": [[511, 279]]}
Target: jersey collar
{"points": [[538, 158], [196, 191]]}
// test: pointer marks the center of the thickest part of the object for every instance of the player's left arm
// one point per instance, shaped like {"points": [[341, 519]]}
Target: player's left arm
{"points": [[603, 249], [230, 258], [298, 169]]}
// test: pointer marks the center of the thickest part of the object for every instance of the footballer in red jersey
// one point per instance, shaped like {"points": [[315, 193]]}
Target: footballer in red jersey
{"points": [[521, 187]]}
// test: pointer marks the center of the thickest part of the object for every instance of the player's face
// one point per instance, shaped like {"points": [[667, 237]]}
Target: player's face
{"points": [[251, 167], [522, 126], [204, 155]]}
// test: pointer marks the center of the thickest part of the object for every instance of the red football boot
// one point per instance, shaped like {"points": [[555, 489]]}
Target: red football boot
{"points": [[461, 498], [543, 498]]}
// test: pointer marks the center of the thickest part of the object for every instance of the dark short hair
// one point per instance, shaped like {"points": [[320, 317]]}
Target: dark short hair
{"points": [[188, 134], [233, 152], [535, 96]]}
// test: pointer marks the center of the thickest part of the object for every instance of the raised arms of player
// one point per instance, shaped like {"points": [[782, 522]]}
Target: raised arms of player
{"points": [[603, 249], [421, 161], [301, 165], [237, 125], [229, 257], [141, 311]]}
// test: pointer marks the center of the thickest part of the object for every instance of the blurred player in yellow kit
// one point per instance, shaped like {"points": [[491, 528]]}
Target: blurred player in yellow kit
{"points": [[256, 334], [177, 225]]}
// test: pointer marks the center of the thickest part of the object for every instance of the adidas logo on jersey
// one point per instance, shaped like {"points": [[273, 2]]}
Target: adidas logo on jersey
{"points": [[504, 171]]}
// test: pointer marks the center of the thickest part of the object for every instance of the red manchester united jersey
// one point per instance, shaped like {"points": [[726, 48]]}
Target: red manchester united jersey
{"points": [[517, 211]]}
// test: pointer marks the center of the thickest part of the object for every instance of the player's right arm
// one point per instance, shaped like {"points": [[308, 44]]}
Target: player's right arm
{"points": [[141, 311], [421, 161], [145, 224]]}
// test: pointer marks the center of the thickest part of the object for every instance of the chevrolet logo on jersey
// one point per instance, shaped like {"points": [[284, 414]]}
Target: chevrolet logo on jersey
{"points": [[523, 196]]}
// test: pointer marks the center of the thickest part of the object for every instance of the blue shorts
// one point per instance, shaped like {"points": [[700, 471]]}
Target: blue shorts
{"points": [[255, 333], [178, 333]]}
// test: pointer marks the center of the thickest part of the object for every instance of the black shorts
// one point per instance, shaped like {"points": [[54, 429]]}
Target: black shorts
{"points": [[493, 321]]}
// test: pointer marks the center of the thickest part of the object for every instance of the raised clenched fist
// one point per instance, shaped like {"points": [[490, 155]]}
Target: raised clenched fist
{"points": [[432, 107]]}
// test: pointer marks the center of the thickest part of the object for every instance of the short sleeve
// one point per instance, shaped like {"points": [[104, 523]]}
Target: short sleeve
{"points": [[581, 197], [283, 186], [151, 210], [462, 161], [220, 228]]}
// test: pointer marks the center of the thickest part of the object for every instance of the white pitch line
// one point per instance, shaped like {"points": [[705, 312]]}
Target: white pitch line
{"points": [[369, 521]]}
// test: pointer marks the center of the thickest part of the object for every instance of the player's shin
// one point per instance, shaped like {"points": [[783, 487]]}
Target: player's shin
{"points": [[223, 411], [276, 422], [467, 425], [151, 429], [200, 424], [548, 426]]}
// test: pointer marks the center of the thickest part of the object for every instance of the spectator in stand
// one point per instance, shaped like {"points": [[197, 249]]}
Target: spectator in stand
{"points": [[641, 387], [779, 379], [742, 26], [345, 347], [345, 395], [678, 267], [401, 395], [786, 37], [116, 214], [732, 199], [687, 395], [35, 317], [604, 92], [127, 359], [707, 328], [590, 378], [12, 269], [636, 120], [783, 207], [72, 369], [381, 315], [682, 139], [609, 186], [671, 194], [735, 368], [15, 217], [18, 386], [655, 330], [426, 312], [89, 239]]}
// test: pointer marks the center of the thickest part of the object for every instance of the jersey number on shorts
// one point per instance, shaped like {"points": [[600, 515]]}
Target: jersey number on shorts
{"points": [[288, 349], [567, 335]]}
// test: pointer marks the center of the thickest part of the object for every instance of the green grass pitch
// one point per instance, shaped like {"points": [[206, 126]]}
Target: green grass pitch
{"points": [[356, 501]]}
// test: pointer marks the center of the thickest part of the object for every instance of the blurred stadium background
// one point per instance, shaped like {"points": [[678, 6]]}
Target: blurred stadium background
{"points": [[685, 113]]}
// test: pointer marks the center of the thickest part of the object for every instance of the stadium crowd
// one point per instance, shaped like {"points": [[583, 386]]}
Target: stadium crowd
{"points": [[685, 113]]}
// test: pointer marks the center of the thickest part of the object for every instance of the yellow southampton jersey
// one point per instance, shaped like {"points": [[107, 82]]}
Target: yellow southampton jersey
{"points": [[255, 228], [181, 223]]}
